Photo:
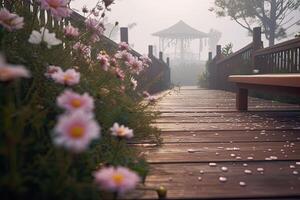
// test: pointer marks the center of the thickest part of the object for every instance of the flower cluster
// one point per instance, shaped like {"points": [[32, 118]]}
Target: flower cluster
{"points": [[71, 32], [135, 64], [83, 49], [95, 27], [69, 77], [76, 128]]}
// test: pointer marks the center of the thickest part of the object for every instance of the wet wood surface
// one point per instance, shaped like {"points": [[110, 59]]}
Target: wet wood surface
{"points": [[211, 151]]}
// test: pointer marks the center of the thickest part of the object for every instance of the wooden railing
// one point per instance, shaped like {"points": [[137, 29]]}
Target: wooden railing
{"points": [[252, 59], [281, 58], [154, 79]]}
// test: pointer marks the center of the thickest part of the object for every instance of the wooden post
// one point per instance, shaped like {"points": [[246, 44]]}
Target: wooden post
{"points": [[256, 38], [124, 34], [219, 51], [161, 56], [209, 56], [257, 44], [242, 99], [150, 51]]}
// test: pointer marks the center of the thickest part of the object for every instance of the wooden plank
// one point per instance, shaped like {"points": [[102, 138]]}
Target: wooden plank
{"points": [[264, 125], [213, 152], [230, 136], [182, 180], [201, 126]]}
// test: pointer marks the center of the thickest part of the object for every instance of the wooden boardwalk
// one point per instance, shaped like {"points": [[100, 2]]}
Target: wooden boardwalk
{"points": [[205, 139]]}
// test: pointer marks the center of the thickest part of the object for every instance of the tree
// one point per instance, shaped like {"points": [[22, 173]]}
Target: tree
{"points": [[275, 17]]}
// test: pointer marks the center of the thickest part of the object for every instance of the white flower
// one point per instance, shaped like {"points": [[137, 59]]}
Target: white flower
{"points": [[133, 83], [44, 36], [121, 131]]}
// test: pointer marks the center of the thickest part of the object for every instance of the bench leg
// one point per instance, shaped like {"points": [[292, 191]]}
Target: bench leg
{"points": [[242, 99]]}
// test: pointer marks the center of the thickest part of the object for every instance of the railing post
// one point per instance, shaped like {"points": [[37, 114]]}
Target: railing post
{"points": [[209, 56], [150, 51], [168, 74], [219, 51], [161, 56], [218, 79], [257, 44], [124, 34], [256, 38]]}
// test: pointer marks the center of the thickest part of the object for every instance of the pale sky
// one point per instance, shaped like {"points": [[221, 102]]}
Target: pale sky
{"points": [[154, 15]]}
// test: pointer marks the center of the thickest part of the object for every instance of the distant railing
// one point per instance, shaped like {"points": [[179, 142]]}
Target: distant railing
{"points": [[253, 58], [154, 79]]}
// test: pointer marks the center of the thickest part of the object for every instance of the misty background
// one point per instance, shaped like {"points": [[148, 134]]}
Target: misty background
{"points": [[149, 16]]}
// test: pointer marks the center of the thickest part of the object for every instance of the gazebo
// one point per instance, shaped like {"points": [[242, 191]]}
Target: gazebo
{"points": [[178, 38]]}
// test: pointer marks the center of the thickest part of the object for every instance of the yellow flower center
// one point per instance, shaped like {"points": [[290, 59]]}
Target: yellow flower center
{"points": [[4, 73], [67, 78], [8, 22], [118, 179], [76, 132], [76, 103], [121, 132]]}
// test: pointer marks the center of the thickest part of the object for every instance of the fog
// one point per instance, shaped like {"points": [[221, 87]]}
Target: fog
{"points": [[155, 15], [151, 16]]}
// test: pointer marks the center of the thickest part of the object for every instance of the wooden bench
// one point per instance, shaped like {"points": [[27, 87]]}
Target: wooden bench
{"points": [[276, 83]]}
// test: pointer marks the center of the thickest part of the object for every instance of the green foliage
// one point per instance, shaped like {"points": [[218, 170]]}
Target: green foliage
{"points": [[227, 49], [274, 16], [204, 78], [31, 166]]}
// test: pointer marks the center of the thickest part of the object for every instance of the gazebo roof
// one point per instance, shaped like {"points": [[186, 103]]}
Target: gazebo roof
{"points": [[180, 30]]}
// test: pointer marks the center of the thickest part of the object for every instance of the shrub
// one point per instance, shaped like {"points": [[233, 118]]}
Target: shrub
{"points": [[32, 164]]}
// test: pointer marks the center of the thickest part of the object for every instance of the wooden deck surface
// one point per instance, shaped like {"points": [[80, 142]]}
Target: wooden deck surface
{"points": [[260, 148]]}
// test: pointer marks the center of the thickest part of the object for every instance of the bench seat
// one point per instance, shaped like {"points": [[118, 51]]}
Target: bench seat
{"points": [[277, 83]]}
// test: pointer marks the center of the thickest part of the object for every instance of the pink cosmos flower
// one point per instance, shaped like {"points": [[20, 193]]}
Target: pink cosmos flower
{"points": [[146, 60], [10, 72], [76, 130], [83, 49], [71, 32], [135, 65], [121, 131], [58, 8], [124, 55], [95, 27], [69, 77], [123, 46], [10, 21], [146, 94], [113, 62], [151, 99], [120, 73], [104, 61], [72, 101], [52, 70], [119, 179]]}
